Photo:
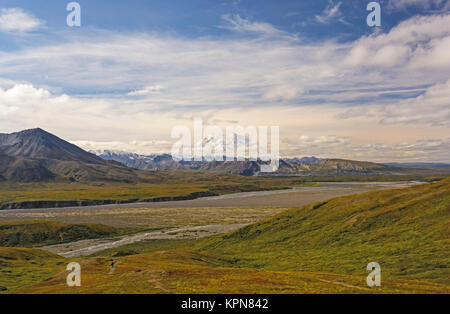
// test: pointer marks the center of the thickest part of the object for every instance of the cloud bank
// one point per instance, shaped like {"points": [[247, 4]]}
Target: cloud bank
{"points": [[110, 87]]}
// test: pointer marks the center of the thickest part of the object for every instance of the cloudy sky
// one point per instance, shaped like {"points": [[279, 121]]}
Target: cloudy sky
{"points": [[135, 69]]}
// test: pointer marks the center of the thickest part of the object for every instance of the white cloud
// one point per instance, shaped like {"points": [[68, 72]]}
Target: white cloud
{"points": [[26, 106], [330, 13], [25, 96], [148, 90], [282, 92], [375, 94], [433, 107], [17, 20], [425, 4], [434, 56], [322, 140], [238, 24], [408, 44], [430, 108], [137, 147]]}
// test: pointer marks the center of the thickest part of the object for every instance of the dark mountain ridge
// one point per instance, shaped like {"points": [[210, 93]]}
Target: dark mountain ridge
{"points": [[35, 155], [37, 143]]}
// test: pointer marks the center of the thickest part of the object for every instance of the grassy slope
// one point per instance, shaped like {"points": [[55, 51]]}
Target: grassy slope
{"points": [[407, 231], [185, 271], [21, 267], [27, 233]]}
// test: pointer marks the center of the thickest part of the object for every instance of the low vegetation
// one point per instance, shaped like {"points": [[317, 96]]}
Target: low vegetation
{"points": [[21, 267], [28, 233], [185, 271]]}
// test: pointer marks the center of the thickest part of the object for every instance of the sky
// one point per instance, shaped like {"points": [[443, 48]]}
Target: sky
{"points": [[136, 69]]}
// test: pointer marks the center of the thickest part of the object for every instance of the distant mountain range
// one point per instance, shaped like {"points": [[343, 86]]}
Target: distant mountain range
{"points": [[306, 166], [419, 164], [36, 155]]}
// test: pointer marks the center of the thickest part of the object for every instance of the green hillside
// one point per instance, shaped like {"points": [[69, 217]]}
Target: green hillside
{"points": [[406, 231], [21, 267], [184, 271]]}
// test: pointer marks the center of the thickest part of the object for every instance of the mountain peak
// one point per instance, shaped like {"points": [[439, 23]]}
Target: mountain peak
{"points": [[38, 143], [37, 155], [35, 131]]}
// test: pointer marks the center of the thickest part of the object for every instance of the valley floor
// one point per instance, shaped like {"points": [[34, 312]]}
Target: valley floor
{"points": [[187, 219], [233, 208]]}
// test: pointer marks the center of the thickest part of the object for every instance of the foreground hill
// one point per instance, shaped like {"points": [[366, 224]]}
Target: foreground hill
{"points": [[406, 231], [193, 272]]}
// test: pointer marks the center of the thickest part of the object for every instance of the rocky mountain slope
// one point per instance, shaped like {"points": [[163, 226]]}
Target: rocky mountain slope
{"points": [[36, 155]]}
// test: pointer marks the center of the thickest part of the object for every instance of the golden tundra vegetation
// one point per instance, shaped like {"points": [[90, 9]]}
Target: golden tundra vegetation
{"points": [[319, 248]]}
